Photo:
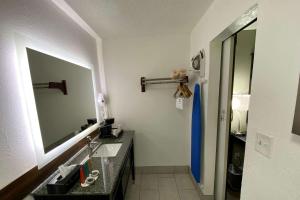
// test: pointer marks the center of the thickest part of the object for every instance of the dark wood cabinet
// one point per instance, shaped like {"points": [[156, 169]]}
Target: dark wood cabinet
{"points": [[126, 172], [124, 159]]}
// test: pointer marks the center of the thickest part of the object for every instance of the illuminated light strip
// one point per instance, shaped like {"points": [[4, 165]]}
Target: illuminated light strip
{"points": [[28, 95]]}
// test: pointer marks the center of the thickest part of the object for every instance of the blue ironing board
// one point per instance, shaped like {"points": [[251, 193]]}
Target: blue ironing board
{"points": [[196, 134]]}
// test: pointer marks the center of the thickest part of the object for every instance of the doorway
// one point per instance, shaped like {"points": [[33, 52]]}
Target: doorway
{"points": [[240, 95], [211, 175], [234, 97]]}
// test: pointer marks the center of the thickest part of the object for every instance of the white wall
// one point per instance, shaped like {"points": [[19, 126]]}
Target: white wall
{"points": [[274, 91], [39, 20], [220, 15], [162, 134], [274, 88]]}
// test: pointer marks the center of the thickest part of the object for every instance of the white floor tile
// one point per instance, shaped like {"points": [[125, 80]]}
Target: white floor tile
{"points": [[149, 195], [184, 181]]}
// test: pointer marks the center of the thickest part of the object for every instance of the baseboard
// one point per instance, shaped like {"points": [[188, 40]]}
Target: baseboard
{"points": [[162, 170], [202, 196]]}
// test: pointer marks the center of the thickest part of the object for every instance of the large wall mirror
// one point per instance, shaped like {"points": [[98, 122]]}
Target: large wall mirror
{"points": [[64, 97]]}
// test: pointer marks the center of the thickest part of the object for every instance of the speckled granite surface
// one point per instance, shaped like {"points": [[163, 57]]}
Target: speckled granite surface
{"points": [[109, 169]]}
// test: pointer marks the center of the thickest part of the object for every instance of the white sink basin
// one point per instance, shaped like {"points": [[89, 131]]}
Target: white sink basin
{"points": [[107, 150]]}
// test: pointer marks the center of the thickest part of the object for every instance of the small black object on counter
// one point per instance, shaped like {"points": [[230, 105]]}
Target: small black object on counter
{"points": [[92, 121], [109, 121], [61, 185], [105, 131], [83, 127]]}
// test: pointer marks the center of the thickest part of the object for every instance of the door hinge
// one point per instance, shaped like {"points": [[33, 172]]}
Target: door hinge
{"points": [[222, 116]]}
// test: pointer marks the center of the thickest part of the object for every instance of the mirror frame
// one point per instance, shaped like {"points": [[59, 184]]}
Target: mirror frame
{"points": [[23, 42]]}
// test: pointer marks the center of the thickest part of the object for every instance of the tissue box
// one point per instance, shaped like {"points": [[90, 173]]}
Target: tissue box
{"points": [[59, 185]]}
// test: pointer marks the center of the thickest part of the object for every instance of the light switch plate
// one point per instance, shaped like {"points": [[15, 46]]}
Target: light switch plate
{"points": [[264, 144]]}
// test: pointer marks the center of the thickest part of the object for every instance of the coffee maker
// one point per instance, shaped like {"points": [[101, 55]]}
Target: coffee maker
{"points": [[108, 130]]}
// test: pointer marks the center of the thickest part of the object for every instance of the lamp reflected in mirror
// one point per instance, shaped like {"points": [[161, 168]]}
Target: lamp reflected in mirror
{"points": [[240, 103]]}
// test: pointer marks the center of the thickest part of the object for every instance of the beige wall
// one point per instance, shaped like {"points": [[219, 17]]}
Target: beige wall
{"points": [[274, 90], [161, 130]]}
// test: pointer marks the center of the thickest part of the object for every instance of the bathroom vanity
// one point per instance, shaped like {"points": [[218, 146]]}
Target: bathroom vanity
{"points": [[115, 172]]}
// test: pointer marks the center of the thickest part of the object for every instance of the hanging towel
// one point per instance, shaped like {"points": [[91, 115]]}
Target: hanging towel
{"points": [[196, 134]]}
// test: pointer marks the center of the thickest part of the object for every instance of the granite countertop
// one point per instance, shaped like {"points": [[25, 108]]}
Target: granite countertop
{"points": [[109, 168]]}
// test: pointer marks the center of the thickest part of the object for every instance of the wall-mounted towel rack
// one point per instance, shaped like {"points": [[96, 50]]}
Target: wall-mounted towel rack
{"points": [[62, 86], [150, 81]]}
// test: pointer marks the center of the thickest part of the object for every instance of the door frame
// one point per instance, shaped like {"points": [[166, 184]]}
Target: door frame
{"points": [[215, 60], [224, 118]]}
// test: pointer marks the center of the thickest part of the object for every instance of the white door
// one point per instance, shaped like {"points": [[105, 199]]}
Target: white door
{"points": [[224, 117]]}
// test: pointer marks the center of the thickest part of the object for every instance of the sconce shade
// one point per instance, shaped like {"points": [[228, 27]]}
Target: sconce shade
{"points": [[240, 102]]}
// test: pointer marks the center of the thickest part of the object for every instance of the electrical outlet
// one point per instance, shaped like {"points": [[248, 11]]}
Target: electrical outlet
{"points": [[264, 144]]}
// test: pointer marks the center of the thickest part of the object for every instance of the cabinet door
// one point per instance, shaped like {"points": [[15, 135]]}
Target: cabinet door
{"points": [[126, 174]]}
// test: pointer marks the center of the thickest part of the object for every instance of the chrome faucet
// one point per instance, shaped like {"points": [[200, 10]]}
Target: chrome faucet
{"points": [[90, 144]]}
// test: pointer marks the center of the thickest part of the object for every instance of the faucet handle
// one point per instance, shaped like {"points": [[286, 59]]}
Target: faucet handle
{"points": [[89, 138]]}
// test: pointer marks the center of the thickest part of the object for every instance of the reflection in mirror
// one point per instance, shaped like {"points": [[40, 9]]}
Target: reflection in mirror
{"points": [[243, 66], [64, 98]]}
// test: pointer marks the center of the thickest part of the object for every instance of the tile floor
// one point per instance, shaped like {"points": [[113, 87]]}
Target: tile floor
{"points": [[161, 187]]}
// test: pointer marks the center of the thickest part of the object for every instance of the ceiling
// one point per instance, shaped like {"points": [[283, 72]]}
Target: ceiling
{"points": [[131, 18]]}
